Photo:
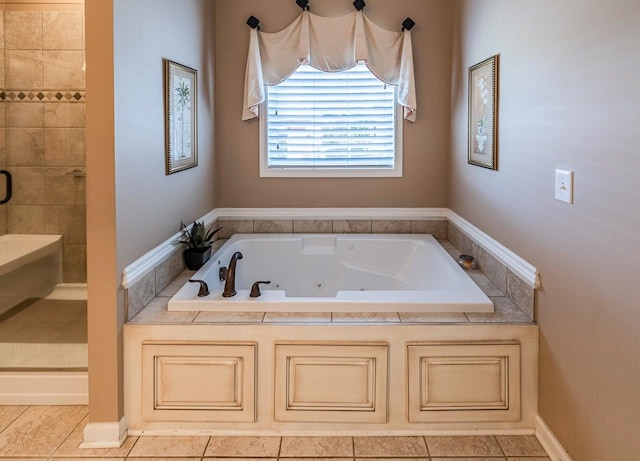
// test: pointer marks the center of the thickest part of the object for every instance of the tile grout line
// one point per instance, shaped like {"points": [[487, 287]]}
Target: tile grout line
{"points": [[206, 446], [15, 419]]}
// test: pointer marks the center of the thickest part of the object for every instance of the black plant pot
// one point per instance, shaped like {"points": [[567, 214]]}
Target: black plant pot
{"points": [[194, 258]]}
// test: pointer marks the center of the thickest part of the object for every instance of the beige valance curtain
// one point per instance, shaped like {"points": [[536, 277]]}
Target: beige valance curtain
{"points": [[329, 44]]}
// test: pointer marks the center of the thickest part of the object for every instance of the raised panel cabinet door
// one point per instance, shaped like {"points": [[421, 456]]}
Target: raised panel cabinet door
{"points": [[198, 382], [326, 383], [463, 382]]}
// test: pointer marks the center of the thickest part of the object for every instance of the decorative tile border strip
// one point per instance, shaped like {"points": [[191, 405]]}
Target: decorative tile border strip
{"points": [[43, 96]]}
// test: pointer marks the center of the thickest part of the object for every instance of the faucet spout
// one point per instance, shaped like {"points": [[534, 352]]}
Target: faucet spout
{"points": [[230, 279]]}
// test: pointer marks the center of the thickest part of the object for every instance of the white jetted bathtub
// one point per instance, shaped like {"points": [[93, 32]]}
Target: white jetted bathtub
{"points": [[335, 273], [30, 267]]}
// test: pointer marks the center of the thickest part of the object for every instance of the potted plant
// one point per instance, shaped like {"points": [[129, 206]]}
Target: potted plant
{"points": [[198, 240]]}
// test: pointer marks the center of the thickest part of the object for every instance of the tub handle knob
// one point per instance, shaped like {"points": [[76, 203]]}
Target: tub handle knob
{"points": [[204, 289], [255, 288]]}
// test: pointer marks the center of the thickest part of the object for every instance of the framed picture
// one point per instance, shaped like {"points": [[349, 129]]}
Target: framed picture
{"points": [[483, 113], [181, 115]]}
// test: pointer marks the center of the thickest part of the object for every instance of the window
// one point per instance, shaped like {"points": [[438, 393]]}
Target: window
{"points": [[331, 124]]}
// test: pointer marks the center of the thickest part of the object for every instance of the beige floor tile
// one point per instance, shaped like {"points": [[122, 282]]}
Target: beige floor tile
{"points": [[243, 447], [484, 445], [40, 430], [169, 446], [398, 459], [473, 458], [523, 458], [70, 446], [520, 445], [87, 458], [8, 414], [320, 447], [171, 458], [222, 459], [378, 447]]}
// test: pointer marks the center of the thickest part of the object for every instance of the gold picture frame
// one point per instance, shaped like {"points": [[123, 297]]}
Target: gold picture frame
{"points": [[483, 114], [181, 116]]}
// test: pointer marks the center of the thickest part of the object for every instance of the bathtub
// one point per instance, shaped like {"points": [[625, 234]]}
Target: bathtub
{"points": [[30, 267], [336, 273]]}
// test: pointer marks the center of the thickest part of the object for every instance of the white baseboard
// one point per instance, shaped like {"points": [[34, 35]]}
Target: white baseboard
{"points": [[105, 435], [44, 388], [549, 442]]}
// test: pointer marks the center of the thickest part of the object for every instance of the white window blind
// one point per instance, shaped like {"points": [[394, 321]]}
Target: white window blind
{"points": [[331, 121]]}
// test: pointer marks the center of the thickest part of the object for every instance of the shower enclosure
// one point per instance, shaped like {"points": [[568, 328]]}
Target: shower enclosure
{"points": [[42, 151]]}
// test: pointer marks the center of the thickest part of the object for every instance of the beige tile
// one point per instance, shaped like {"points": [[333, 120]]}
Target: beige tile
{"points": [[156, 313], [461, 242], [520, 445], [70, 447], [169, 269], [437, 228], [74, 263], [521, 293], [25, 146], [156, 458], [40, 430], [325, 447], [69, 221], [484, 283], [224, 459], [101, 458], [433, 317], [64, 115], [8, 414], [273, 226], [63, 70], [140, 293], [297, 317], [446, 244], [23, 70], [317, 459], [243, 447], [390, 226], [62, 30], [64, 146], [229, 317], [351, 226], [25, 219], [312, 226], [474, 458], [235, 226], [484, 445], [376, 447], [61, 188], [176, 283], [169, 446], [493, 269], [505, 312], [365, 317], [25, 115], [28, 186], [528, 458], [417, 458], [23, 30]]}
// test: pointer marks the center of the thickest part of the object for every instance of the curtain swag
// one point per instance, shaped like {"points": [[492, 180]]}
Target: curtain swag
{"points": [[331, 45]]}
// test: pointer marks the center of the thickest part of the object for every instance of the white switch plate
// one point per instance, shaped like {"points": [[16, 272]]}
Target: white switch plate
{"points": [[564, 185]]}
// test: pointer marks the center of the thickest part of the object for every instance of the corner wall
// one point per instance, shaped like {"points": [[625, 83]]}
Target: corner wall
{"points": [[568, 99], [426, 142], [132, 206]]}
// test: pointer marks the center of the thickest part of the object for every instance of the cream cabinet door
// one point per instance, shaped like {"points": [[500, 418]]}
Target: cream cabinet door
{"points": [[331, 383], [463, 382], [198, 382]]}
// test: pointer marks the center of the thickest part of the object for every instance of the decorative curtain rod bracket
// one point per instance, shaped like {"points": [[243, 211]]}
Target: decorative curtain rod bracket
{"points": [[359, 4], [408, 24], [304, 4], [253, 22]]}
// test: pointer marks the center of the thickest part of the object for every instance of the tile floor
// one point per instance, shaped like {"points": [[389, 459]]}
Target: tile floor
{"points": [[54, 433]]}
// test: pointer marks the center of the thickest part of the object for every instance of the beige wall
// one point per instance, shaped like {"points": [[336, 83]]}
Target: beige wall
{"points": [[132, 205], [568, 99], [425, 144]]}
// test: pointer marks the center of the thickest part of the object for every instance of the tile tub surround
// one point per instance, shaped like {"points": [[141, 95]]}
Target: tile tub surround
{"points": [[32, 433]]}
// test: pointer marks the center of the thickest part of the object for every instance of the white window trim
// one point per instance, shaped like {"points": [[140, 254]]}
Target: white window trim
{"points": [[395, 172]]}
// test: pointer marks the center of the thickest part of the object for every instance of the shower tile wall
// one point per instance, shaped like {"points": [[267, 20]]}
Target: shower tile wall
{"points": [[43, 139]]}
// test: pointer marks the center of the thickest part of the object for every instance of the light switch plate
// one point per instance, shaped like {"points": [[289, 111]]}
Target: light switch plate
{"points": [[564, 185]]}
